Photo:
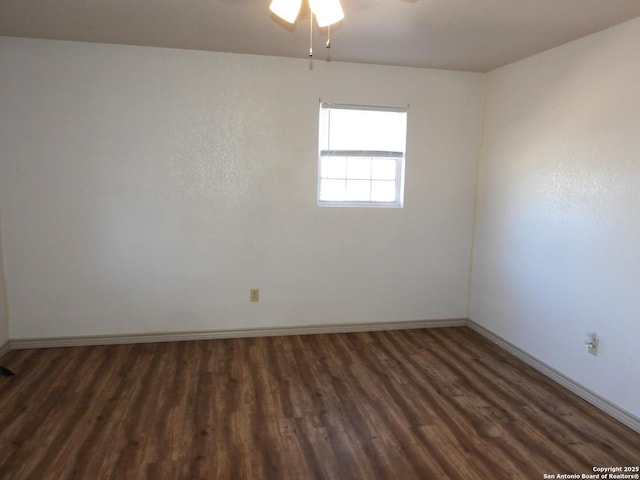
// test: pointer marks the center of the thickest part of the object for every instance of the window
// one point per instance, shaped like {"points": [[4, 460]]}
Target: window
{"points": [[361, 155]]}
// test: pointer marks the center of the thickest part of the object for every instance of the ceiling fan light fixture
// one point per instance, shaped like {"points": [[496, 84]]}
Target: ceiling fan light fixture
{"points": [[287, 10], [327, 12]]}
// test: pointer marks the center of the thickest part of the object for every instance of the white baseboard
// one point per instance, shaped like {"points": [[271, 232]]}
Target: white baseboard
{"points": [[4, 348], [604, 405], [77, 341]]}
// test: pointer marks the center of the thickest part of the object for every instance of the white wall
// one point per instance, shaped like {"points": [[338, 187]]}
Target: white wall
{"points": [[147, 190], [556, 250]]}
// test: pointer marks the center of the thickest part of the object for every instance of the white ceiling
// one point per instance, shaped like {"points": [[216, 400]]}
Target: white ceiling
{"points": [[474, 35]]}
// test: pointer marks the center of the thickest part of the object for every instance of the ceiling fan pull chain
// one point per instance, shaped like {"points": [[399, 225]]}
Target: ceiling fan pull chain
{"points": [[311, 34], [329, 36]]}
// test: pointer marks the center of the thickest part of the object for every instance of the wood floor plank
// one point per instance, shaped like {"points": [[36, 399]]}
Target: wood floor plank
{"points": [[414, 404]]}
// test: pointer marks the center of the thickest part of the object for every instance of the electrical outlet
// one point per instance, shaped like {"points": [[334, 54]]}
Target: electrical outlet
{"points": [[254, 295], [592, 343]]}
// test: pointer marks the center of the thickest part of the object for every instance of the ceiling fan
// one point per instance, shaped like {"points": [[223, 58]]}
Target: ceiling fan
{"points": [[327, 12]]}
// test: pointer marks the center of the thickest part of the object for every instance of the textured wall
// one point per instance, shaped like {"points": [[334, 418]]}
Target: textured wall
{"points": [[148, 190], [4, 308], [558, 221]]}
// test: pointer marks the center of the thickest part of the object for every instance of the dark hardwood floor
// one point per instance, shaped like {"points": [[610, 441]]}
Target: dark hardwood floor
{"points": [[414, 404]]}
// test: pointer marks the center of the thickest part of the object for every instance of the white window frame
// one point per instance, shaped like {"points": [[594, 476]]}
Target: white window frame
{"points": [[398, 156]]}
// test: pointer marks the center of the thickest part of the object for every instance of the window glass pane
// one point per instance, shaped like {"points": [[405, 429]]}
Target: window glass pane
{"points": [[332, 190], [358, 190], [349, 129], [359, 168], [383, 169], [383, 191], [361, 155], [333, 167]]}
